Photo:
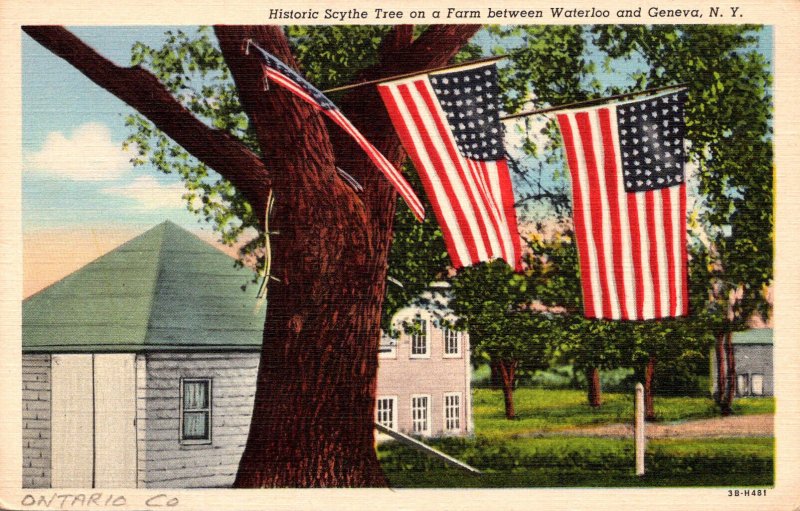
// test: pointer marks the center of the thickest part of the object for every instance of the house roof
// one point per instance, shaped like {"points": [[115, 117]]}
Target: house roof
{"points": [[753, 336], [163, 290]]}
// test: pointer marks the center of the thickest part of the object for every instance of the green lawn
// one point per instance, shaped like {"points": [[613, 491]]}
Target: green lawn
{"points": [[541, 410], [510, 453], [583, 462]]}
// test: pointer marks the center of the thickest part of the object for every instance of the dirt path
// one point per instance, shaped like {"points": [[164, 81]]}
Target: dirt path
{"points": [[733, 426]]}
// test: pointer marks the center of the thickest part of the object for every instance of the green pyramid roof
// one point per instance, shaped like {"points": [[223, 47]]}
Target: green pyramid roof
{"points": [[163, 290]]}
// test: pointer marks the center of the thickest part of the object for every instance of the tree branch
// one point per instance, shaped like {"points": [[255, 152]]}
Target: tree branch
{"points": [[142, 91], [435, 47], [270, 112]]}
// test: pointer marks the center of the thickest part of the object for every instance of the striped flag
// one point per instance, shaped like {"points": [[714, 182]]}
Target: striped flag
{"points": [[629, 206], [288, 78], [449, 124]]}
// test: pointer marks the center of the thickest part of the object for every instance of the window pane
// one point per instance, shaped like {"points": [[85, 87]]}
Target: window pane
{"points": [[758, 384], [195, 425], [195, 395], [742, 386], [419, 340]]}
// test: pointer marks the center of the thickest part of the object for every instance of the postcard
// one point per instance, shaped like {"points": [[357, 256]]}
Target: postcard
{"points": [[404, 255]]}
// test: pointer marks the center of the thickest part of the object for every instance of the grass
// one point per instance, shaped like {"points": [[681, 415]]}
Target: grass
{"points": [[584, 462], [510, 453], [541, 410]]}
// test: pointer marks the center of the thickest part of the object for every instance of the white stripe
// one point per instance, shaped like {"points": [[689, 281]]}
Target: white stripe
{"points": [[661, 250], [649, 307], [677, 224], [586, 190], [495, 192], [449, 168], [438, 189], [605, 215], [624, 223]]}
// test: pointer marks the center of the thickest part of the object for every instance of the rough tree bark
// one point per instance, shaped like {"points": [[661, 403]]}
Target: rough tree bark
{"points": [[595, 394], [649, 389], [508, 370], [313, 417]]}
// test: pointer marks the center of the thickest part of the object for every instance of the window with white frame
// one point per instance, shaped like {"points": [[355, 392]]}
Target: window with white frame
{"points": [[452, 411], [196, 410], [420, 415], [386, 411], [757, 384], [452, 343], [419, 339]]}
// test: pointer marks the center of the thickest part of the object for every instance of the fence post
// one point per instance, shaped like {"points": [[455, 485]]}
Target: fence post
{"points": [[638, 429]]}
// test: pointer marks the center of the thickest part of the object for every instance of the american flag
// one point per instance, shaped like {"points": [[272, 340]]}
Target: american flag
{"points": [[291, 80], [629, 206], [449, 124]]}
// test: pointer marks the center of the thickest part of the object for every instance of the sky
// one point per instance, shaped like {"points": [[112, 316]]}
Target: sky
{"points": [[79, 190]]}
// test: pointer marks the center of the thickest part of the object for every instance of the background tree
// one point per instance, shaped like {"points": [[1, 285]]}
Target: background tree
{"points": [[313, 417], [491, 302]]}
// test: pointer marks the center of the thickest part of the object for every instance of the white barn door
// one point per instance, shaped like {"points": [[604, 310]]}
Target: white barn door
{"points": [[115, 420], [93, 421], [71, 421]]}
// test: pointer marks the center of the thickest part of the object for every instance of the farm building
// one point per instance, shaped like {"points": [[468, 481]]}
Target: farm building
{"points": [[139, 370], [752, 350]]}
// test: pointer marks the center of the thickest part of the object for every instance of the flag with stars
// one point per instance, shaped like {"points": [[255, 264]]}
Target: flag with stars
{"points": [[449, 125], [286, 77], [626, 162]]}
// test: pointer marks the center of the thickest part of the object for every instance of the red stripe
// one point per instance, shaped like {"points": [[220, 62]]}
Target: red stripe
{"points": [[577, 206], [612, 191], [670, 244], [408, 143], [510, 212], [636, 251], [651, 235], [682, 220], [598, 233], [437, 162], [452, 151]]}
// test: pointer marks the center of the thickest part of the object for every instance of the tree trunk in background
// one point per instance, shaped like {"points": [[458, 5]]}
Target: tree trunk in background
{"points": [[495, 378], [507, 372], [721, 394], [595, 391], [730, 387], [649, 389]]}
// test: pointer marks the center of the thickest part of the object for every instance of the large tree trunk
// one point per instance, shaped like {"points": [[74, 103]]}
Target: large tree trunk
{"points": [[508, 370], [313, 416], [595, 392], [313, 419], [649, 389]]}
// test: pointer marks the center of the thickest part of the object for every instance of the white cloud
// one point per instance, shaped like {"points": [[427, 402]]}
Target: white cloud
{"points": [[87, 154], [150, 194]]}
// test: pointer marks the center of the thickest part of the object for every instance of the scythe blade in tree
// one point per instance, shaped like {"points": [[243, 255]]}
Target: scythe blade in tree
{"points": [[313, 416]]}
